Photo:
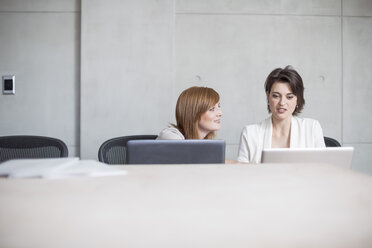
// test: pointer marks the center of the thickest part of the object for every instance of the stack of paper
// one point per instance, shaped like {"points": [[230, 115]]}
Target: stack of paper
{"points": [[57, 168]]}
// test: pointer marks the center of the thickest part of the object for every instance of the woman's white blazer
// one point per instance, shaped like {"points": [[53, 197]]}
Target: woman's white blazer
{"points": [[305, 133]]}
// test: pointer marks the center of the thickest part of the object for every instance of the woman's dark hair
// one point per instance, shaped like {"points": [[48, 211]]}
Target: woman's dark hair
{"points": [[290, 76]]}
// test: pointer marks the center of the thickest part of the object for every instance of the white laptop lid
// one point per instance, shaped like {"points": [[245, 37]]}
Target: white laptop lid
{"points": [[175, 151], [339, 156]]}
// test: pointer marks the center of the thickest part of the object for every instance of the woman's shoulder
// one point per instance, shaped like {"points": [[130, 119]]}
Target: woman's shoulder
{"points": [[170, 133], [251, 127], [307, 122], [257, 126]]}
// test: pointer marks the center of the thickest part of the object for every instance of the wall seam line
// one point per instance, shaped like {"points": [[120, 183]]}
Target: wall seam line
{"points": [[253, 14], [38, 12], [342, 73]]}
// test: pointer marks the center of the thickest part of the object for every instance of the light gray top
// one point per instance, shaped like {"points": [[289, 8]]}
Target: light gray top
{"points": [[170, 133]]}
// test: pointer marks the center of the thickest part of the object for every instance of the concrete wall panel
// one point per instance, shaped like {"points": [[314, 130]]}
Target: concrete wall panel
{"points": [[357, 7], [126, 70], [361, 161], [357, 53], [42, 51]]}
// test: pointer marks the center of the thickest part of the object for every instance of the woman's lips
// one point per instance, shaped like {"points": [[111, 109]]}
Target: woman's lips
{"points": [[281, 110]]}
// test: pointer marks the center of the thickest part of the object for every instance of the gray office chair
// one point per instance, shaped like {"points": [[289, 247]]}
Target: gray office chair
{"points": [[27, 146], [113, 151], [329, 142]]}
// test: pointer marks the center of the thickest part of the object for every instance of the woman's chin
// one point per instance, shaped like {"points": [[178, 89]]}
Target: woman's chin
{"points": [[281, 116]]}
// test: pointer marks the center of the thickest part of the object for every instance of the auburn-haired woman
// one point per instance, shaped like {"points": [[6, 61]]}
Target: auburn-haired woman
{"points": [[283, 129], [198, 115]]}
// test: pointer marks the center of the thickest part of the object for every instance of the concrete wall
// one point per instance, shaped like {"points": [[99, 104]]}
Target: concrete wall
{"points": [[40, 45], [137, 56]]}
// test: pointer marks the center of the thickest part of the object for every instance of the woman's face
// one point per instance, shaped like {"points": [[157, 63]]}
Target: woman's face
{"points": [[282, 101], [210, 121]]}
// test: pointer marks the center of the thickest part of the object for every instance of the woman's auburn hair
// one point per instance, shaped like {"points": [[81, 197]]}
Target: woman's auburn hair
{"points": [[191, 104]]}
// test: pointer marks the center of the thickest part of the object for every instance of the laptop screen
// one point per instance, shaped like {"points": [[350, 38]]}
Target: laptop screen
{"points": [[339, 156], [175, 151]]}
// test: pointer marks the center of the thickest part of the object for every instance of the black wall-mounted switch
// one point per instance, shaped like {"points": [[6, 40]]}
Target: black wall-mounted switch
{"points": [[9, 85]]}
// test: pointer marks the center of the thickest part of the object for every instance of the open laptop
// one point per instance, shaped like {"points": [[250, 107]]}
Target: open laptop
{"points": [[339, 156], [175, 151]]}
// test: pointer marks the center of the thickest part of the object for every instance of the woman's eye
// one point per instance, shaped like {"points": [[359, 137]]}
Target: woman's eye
{"points": [[212, 109], [290, 97], [275, 96]]}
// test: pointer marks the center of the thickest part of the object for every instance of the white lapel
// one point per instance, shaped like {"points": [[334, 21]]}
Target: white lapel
{"points": [[294, 133], [268, 132]]}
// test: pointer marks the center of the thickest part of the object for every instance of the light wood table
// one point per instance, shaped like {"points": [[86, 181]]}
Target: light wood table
{"points": [[271, 205]]}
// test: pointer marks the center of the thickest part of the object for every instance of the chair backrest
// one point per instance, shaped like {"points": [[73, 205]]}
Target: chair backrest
{"points": [[27, 146], [113, 151], [329, 142]]}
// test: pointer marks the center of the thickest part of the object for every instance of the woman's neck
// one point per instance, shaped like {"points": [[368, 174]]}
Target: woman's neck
{"points": [[202, 133], [281, 125], [281, 133]]}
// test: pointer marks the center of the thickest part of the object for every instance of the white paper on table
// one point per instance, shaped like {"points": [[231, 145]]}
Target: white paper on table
{"points": [[56, 168], [86, 168]]}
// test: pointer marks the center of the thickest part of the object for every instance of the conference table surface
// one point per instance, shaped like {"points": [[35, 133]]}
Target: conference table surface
{"points": [[267, 205]]}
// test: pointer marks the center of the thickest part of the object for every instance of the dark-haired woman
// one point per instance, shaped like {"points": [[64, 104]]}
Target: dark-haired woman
{"points": [[283, 129]]}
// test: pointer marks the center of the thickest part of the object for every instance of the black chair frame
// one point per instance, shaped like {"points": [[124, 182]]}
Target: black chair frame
{"points": [[28, 146], [113, 151], [330, 142]]}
